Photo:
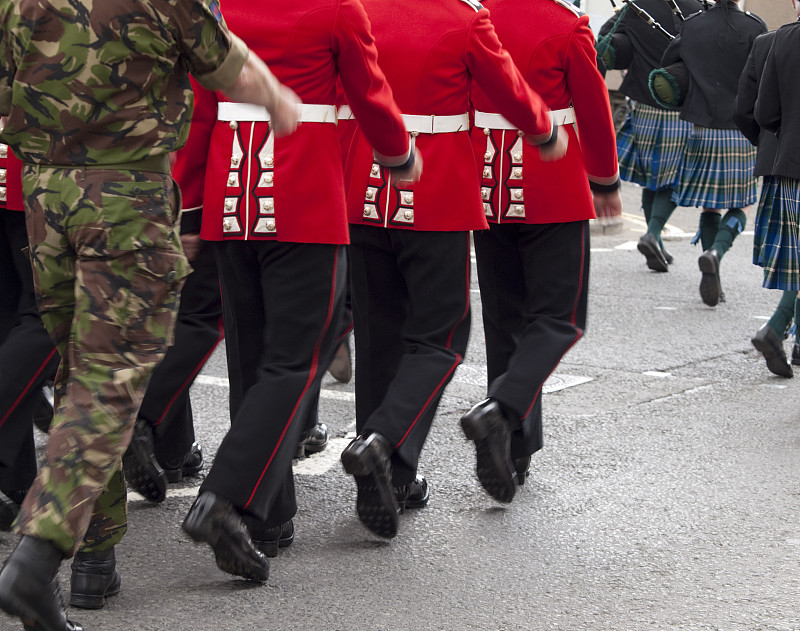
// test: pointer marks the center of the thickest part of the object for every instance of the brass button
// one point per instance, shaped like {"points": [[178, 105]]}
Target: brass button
{"points": [[268, 178], [2, 175], [518, 194], [485, 193], [367, 211], [517, 157], [516, 173], [269, 161], [228, 204], [231, 180], [414, 134], [409, 215], [2, 193], [235, 161], [487, 173], [375, 171], [270, 226], [3, 151], [408, 198], [487, 131], [226, 225], [487, 156], [267, 204], [370, 194], [234, 125]]}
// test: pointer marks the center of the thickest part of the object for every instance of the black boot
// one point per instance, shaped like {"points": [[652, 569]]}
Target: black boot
{"points": [[486, 425], [142, 471], [94, 578], [190, 464], [213, 520], [29, 587], [367, 459], [8, 512]]}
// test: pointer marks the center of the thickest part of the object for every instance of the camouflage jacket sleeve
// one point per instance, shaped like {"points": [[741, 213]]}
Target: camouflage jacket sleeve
{"points": [[7, 65], [215, 56]]}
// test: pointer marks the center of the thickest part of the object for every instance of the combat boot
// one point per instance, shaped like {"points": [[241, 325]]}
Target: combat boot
{"points": [[94, 578], [29, 587]]}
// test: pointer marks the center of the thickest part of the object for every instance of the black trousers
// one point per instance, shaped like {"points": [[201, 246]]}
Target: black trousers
{"points": [[198, 331], [28, 356], [282, 305], [411, 315], [533, 280]]}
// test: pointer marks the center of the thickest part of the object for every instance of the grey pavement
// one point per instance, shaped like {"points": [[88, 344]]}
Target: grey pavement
{"points": [[666, 496]]}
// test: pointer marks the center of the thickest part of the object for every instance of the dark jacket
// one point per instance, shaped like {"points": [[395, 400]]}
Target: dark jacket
{"points": [[714, 46], [640, 46], [778, 104], [744, 107]]}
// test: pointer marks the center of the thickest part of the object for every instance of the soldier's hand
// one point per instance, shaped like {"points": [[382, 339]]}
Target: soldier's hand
{"points": [[286, 115], [409, 176], [556, 150], [608, 207], [192, 244]]}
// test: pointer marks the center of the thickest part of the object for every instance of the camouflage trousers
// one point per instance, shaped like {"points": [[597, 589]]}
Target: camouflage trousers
{"points": [[108, 268]]}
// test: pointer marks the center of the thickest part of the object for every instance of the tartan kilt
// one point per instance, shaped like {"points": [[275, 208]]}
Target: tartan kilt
{"points": [[775, 245], [717, 170], [650, 146]]}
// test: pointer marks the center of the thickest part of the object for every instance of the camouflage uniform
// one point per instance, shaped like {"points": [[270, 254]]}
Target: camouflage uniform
{"points": [[97, 95]]}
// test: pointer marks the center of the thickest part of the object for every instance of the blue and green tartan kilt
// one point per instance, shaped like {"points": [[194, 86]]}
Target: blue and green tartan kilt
{"points": [[775, 244], [717, 170], [650, 146]]}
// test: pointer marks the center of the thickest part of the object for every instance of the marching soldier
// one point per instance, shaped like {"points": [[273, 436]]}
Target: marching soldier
{"points": [[533, 262], [410, 244], [651, 141], [101, 216], [274, 210]]}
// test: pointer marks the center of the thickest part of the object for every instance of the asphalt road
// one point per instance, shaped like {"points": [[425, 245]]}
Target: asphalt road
{"points": [[666, 496]]}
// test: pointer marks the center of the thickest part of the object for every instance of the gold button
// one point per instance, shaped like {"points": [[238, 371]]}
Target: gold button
{"points": [[234, 125], [2, 175], [267, 204], [487, 131], [228, 205], [2, 193], [375, 171], [517, 157], [370, 194], [270, 226], [520, 133], [269, 161], [518, 194], [485, 193], [3, 151], [414, 134], [268, 178], [409, 215], [408, 198], [487, 156], [367, 211], [235, 161], [517, 173], [487, 173], [231, 180], [226, 225]]}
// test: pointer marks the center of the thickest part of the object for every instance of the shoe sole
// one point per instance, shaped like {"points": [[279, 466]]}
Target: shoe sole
{"points": [[710, 286], [656, 260], [224, 554], [775, 363], [494, 467], [29, 616], [376, 503], [92, 601], [141, 474]]}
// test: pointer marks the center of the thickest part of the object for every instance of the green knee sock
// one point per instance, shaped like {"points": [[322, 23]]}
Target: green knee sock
{"points": [[709, 226], [647, 203], [784, 313], [730, 226], [663, 206]]}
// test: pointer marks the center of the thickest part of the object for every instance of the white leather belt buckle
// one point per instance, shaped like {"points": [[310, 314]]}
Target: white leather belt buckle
{"points": [[419, 124], [309, 112]]}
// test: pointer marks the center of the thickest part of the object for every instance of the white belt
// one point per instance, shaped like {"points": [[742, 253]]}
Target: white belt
{"points": [[309, 112], [344, 113], [497, 121], [419, 124]]}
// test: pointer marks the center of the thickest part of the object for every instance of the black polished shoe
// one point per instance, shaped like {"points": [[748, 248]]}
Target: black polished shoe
{"points": [[142, 471], [522, 466], [796, 354], [667, 256], [488, 428], [94, 578], [710, 286], [770, 346], [8, 512], [341, 367], [269, 540], [414, 495], [366, 458], [190, 465], [213, 520], [312, 441], [29, 587], [649, 246]]}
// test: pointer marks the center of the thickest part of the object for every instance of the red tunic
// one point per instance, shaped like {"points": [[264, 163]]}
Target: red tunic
{"points": [[10, 180], [553, 46], [293, 190], [432, 52]]}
